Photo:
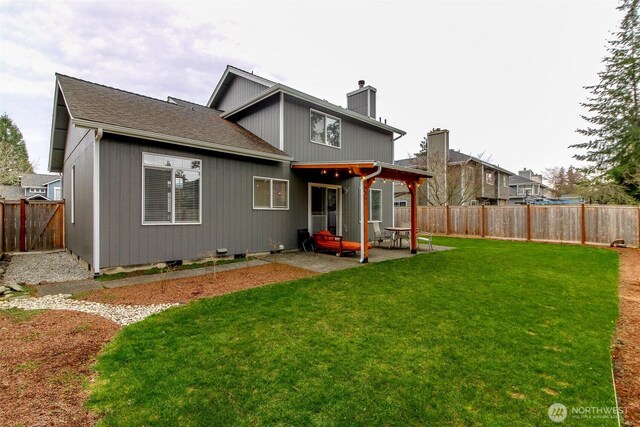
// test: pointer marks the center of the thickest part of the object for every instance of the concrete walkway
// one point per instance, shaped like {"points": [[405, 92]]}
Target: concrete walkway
{"points": [[317, 262]]}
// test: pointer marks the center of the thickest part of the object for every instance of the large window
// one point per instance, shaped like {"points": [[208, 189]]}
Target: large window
{"points": [[375, 205], [270, 193], [325, 129], [171, 189]]}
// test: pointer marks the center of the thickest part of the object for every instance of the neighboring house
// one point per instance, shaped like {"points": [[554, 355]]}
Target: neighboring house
{"points": [[34, 186], [459, 179], [149, 181], [527, 187]]}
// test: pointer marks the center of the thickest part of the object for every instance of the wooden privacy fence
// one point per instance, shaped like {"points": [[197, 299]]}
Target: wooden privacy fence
{"points": [[585, 224], [32, 226]]}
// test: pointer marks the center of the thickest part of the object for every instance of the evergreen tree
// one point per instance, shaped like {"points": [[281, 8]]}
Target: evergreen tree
{"points": [[613, 148], [14, 160]]}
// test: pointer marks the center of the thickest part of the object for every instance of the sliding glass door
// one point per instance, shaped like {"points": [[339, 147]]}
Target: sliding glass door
{"points": [[325, 208]]}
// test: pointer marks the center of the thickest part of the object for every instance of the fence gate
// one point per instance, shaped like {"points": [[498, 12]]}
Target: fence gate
{"points": [[32, 226]]}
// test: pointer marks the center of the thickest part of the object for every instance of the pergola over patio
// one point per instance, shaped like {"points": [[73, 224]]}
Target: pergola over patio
{"points": [[368, 171]]}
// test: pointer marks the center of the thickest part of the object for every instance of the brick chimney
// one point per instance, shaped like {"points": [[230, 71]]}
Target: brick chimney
{"points": [[363, 100]]}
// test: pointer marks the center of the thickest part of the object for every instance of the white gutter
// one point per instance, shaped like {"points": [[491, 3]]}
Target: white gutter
{"points": [[96, 201], [187, 142], [364, 238]]}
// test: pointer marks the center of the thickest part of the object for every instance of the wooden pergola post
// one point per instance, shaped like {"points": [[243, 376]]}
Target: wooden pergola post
{"points": [[413, 187]]}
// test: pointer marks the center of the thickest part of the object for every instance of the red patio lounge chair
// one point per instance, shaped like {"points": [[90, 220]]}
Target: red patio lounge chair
{"points": [[326, 241]]}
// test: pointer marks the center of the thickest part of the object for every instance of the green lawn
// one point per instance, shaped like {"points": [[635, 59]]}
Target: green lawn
{"points": [[489, 333]]}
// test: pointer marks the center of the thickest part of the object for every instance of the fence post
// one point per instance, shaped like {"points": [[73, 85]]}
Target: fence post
{"points": [[482, 221], [528, 222], [23, 226], [583, 229], [447, 218]]}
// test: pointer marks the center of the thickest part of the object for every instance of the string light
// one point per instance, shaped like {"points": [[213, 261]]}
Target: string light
{"points": [[336, 174]]}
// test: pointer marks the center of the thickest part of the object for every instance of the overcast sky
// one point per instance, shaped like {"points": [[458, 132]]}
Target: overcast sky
{"points": [[505, 77]]}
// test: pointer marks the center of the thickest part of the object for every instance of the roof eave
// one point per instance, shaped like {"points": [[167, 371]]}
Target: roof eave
{"points": [[58, 89], [187, 142]]}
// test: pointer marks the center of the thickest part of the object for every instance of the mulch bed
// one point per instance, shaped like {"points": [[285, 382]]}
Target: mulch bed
{"points": [[45, 363], [626, 355], [183, 290]]}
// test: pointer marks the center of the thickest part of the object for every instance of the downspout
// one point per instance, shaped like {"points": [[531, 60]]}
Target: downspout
{"points": [[96, 201], [362, 218]]}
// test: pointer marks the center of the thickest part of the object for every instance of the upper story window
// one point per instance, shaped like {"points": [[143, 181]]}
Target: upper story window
{"points": [[505, 180], [489, 177], [171, 189], [325, 129]]}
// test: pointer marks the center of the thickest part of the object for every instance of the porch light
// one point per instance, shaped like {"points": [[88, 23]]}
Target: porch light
{"points": [[336, 174]]}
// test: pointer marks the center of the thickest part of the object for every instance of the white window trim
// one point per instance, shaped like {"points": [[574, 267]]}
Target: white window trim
{"points": [[173, 189], [371, 190], [325, 144], [271, 207], [505, 181], [72, 196], [57, 193]]}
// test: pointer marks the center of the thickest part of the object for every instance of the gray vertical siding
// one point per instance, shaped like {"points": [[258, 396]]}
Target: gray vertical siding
{"points": [[239, 91], [263, 120], [79, 152], [359, 141], [228, 218]]}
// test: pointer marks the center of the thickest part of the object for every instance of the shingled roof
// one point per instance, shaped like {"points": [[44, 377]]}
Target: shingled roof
{"points": [[119, 111]]}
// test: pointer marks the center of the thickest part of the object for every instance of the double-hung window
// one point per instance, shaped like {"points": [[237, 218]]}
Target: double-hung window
{"points": [[171, 190], [270, 193], [325, 129]]}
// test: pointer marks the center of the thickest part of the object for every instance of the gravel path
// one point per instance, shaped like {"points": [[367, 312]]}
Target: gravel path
{"points": [[35, 268], [121, 314]]}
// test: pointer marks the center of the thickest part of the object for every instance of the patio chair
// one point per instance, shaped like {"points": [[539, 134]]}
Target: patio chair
{"points": [[426, 240], [379, 236]]}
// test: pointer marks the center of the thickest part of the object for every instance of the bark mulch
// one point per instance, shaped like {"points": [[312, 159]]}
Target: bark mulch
{"points": [[45, 363], [209, 285], [626, 354]]}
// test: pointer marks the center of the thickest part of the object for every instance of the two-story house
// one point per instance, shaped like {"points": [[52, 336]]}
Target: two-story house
{"points": [[147, 180], [527, 187], [458, 178]]}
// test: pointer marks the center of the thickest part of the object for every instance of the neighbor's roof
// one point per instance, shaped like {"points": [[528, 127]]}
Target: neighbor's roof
{"points": [[275, 88], [10, 192], [120, 112], [37, 179], [456, 157]]}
